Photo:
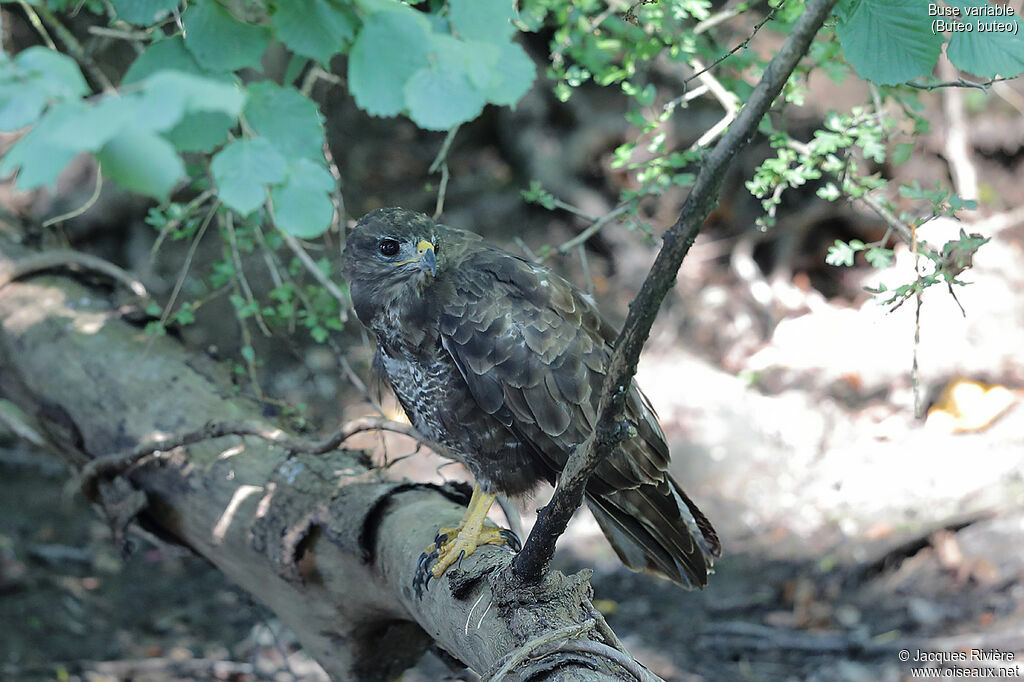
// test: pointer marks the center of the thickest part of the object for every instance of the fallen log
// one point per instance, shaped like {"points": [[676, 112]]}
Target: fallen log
{"points": [[326, 541]]}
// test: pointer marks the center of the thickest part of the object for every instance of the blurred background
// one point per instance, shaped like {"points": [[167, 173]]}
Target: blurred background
{"points": [[852, 527]]}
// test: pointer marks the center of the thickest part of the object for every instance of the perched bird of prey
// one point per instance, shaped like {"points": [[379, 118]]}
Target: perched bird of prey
{"points": [[500, 362]]}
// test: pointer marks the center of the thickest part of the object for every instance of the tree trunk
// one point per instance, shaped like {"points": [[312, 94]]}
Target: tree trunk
{"points": [[325, 541]]}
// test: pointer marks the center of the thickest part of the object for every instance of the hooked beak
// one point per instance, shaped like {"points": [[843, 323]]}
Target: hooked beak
{"points": [[428, 262]]}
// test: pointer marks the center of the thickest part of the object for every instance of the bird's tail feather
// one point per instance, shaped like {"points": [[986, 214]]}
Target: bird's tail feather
{"points": [[658, 528]]}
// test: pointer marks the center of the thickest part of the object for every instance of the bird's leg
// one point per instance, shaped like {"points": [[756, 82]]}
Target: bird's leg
{"points": [[452, 544]]}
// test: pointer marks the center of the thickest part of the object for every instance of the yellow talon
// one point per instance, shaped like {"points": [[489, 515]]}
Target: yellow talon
{"points": [[454, 544]]}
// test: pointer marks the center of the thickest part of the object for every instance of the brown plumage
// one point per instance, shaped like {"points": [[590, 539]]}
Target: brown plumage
{"points": [[500, 362]]}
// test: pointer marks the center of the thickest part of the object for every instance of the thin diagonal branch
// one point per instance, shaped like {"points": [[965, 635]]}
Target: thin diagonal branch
{"points": [[611, 428]]}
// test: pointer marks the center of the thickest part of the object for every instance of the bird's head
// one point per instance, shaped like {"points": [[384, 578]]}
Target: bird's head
{"points": [[391, 253]]}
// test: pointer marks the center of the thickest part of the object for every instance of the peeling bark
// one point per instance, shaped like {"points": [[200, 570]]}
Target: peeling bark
{"points": [[325, 541]]}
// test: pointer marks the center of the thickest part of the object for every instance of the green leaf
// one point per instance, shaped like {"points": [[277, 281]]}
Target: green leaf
{"points": [[319, 31], [200, 93], [142, 162], [828, 192], [70, 127], [993, 47], [202, 131], [479, 60], [440, 95], [144, 12], [87, 127], [512, 77], [901, 153], [879, 257], [20, 104], [302, 206], [286, 120], [484, 20], [154, 110], [39, 159], [34, 78], [218, 41], [888, 41], [388, 51], [839, 254], [56, 74], [243, 169], [167, 54]]}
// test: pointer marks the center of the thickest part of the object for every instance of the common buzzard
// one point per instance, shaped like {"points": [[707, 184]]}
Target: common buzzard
{"points": [[499, 362]]}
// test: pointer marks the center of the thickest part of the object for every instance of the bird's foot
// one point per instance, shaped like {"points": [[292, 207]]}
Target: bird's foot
{"points": [[453, 544]]}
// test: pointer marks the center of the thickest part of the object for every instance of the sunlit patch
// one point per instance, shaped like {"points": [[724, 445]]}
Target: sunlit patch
{"points": [[966, 405], [224, 522], [32, 305], [89, 323], [264, 505], [231, 452], [395, 413]]}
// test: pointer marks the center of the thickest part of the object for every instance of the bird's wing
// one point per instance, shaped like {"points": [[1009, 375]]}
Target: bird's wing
{"points": [[533, 351]]}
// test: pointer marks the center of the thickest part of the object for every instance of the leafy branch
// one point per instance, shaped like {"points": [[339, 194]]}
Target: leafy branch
{"points": [[611, 429]]}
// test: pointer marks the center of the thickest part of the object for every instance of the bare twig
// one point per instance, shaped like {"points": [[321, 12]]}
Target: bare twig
{"points": [[37, 24], [915, 377], [585, 265], [315, 74], [598, 224], [746, 41], [189, 255], [526, 249], [957, 143], [75, 48], [958, 83], [62, 258], [722, 16], [519, 655], [441, 163], [268, 258], [729, 101], [611, 429], [313, 269], [902, 230], [242, 280], [120, 34], [336, 196], [90, 202], [116, 463], [173, 223]]}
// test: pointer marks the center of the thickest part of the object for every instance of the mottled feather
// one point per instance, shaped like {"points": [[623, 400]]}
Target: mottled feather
{"points": [[500, 361]]}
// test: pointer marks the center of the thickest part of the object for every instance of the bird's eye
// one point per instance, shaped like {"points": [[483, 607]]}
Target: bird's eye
{"points": [[388, 247]]}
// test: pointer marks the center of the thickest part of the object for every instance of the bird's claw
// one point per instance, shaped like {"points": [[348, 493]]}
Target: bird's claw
{"points": [[451, 546], [511, 539], [421, 579]]}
